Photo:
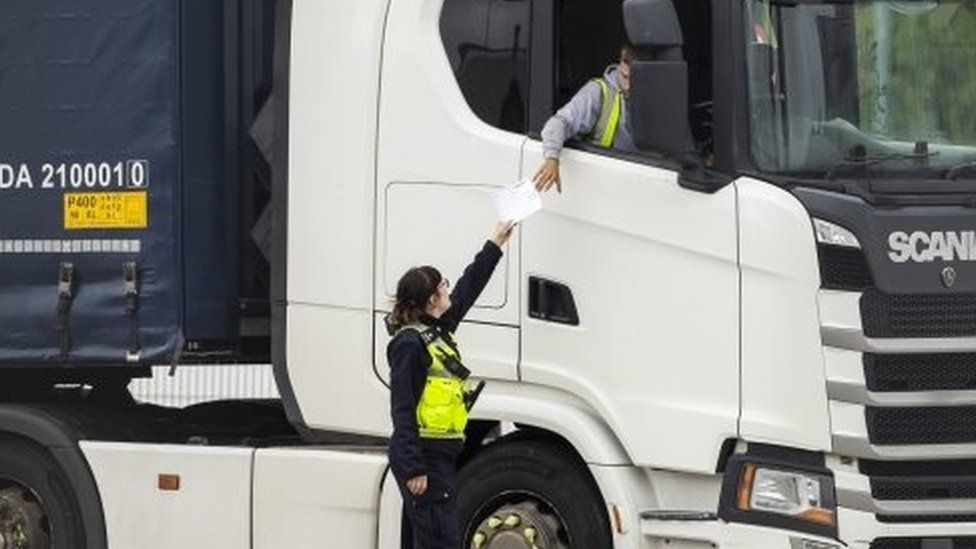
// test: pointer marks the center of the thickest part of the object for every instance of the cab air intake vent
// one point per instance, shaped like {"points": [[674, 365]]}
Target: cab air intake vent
{"points": [[920, 372], [922, 425]]}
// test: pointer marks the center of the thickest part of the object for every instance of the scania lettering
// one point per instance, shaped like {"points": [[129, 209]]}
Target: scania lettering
{"points": [[759, 331], [926, 247]]}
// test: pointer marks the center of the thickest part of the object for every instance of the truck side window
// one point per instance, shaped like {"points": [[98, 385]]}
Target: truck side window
{"points": [[487, 45], [589, 34]]}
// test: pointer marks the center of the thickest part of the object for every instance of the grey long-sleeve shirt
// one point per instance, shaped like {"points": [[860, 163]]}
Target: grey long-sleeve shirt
{"points": [[578, 117]]}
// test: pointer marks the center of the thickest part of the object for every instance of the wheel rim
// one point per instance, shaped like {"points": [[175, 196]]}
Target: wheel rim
{"points": [[23, 522], [519, 521]]}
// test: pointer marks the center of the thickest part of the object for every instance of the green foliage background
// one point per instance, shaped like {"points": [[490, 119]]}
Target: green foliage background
{"points": [[932, 92]]}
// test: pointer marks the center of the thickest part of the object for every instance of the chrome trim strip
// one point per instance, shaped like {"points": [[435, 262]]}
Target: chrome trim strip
{"points": [[861, 501], [855, 340], [854, 393], [859, 447]]}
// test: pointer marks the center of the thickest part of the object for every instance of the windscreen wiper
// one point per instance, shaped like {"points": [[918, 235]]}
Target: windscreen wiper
{"points": [[861, 162], [960, 169]]}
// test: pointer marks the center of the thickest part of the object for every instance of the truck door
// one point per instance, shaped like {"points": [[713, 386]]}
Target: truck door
{"points": [[630, 281], [452, 117]]}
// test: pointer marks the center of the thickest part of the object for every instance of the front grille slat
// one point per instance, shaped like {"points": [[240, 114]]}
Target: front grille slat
{"points": [[913, 316], [920, 372]]}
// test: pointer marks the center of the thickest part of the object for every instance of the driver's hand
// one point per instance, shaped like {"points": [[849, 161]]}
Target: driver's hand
{"points": [[548, 175]]}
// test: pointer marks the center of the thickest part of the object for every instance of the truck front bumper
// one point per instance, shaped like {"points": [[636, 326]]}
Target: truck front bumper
{"points": [[725, 535], [858, 530]]}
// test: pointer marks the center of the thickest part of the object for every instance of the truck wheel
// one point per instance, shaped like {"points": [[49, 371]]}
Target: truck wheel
{"points": [[37, 506], [530, 494]]}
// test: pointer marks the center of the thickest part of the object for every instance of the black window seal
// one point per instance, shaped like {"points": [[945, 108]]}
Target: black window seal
{"points": [[542, 62]]}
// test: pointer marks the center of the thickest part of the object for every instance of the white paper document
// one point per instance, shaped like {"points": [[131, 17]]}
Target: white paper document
{"points": [[517, 202]]}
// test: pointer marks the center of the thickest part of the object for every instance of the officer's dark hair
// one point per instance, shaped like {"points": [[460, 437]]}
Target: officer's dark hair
{"points": [[413, 293]]}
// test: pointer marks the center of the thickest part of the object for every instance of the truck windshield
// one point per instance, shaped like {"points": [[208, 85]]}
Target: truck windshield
{"points": [[887, 87]]}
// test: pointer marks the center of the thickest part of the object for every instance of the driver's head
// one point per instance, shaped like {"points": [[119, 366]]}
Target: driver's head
{"points": [[623, 68]]}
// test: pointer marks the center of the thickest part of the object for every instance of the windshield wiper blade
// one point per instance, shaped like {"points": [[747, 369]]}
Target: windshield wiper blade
{"points": [[862, 162], [954, 172]]}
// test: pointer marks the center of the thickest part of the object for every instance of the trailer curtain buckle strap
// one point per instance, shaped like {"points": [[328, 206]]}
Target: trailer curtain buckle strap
{"points": [[66, 277], [131, 292]]}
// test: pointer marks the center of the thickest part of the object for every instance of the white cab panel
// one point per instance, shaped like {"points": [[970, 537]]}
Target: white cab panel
{"points": [[330, 363], [437, 165], [444, 226], [784, 396], [553, 410], [211, 509], [652, 268], [490, 351], [316, 497], [332, 150]]}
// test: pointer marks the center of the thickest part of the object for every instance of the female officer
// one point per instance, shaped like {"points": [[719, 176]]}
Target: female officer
{"points": [[427, 390]]}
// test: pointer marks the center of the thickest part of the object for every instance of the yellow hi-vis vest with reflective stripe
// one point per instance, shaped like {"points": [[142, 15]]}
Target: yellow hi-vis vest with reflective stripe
{"points": [[610, 105], [441, 412]]}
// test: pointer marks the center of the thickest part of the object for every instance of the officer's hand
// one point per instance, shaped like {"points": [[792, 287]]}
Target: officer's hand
{"points": [[503, 231], [548, 175], [417, 485]]}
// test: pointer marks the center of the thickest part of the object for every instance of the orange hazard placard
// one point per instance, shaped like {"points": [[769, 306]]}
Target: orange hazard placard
{"points": [[123, 210]]}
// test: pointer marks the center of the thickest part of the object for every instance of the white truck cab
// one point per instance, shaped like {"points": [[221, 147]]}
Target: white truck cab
{"points": [[756, 332]]}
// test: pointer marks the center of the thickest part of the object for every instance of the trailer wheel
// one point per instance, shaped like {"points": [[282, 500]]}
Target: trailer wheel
{"points": [[530, 494], [37, 507]]}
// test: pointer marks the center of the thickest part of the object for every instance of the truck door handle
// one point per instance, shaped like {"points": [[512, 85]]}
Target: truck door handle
{"points": [[552, 302]]}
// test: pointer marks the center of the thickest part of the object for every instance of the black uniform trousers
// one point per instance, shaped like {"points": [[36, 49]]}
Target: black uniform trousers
{"points": [[430, 521]]}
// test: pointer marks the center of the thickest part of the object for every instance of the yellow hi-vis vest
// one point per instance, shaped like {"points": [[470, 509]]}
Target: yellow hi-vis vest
{"points": [[606, 126], [441, 412]]}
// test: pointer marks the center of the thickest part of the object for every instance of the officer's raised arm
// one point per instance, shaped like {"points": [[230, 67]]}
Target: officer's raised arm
{"points": [[477, 275]]}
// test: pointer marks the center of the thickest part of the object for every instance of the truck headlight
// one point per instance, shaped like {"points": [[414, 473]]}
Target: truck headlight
{"points": [[790, 493], [779, 487], [834, 235]]}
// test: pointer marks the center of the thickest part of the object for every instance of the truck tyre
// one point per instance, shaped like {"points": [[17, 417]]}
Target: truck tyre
{"points": [[533, 494], [38, 509]]}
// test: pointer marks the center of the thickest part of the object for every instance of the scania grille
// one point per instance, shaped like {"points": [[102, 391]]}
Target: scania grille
{"points": [[901, 378], [924, 543], [908, 519], [901, 381], [928, 316], [922, 425], [920, 372], [921, 480], [923, 488]]}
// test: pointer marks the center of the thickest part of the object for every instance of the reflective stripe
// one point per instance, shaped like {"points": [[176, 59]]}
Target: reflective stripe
{"points": [[606, 126]]}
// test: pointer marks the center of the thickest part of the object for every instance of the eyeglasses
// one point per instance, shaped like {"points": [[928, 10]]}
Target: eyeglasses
{"points": [[445, 284]]}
